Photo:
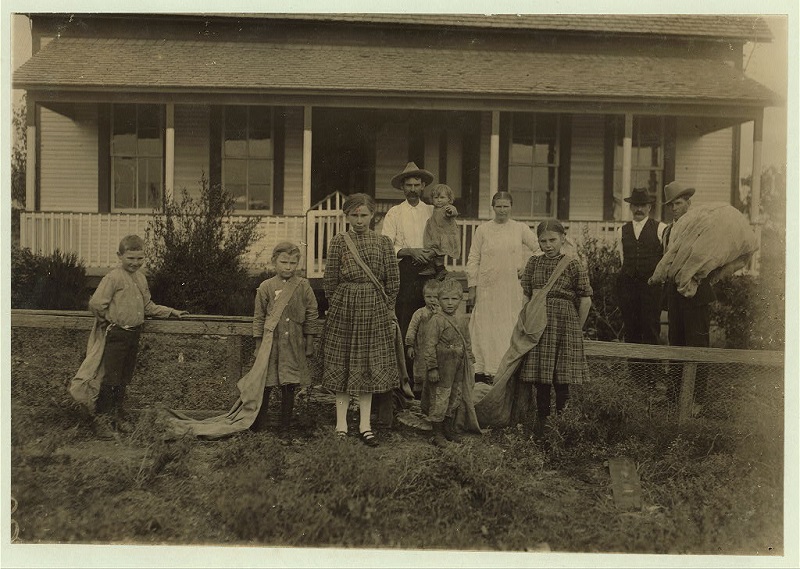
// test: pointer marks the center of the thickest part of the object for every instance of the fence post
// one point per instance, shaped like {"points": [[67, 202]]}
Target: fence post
{"points": [[687, 391], [234, 347]]}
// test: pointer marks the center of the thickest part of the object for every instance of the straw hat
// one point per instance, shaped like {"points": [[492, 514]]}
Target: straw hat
{"points": [[411, 171], [675, 190]]}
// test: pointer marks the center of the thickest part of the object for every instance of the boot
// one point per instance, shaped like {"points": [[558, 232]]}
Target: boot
{"points": [[287, 406], [450, 432], [103, 427], [121, 419], [260, 423], [438, 439], [538, 427]]}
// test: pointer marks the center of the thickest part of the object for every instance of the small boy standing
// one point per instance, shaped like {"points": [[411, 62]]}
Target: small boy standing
{"points": [[120, 304], [441, 231], [447, 351], [417, 330], [293, 337]]}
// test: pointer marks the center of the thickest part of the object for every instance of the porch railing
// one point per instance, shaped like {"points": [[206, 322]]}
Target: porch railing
{"points": [[94, 236]]}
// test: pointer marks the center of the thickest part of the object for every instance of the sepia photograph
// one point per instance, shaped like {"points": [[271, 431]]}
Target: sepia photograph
{"points": [[403, 285]]}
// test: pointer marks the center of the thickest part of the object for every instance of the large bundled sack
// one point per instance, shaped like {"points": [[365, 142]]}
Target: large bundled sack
{"points": [[706, 238]]}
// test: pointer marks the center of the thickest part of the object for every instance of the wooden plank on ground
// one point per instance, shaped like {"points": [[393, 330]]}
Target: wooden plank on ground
{"points": [[625, 483], [686, 401]]}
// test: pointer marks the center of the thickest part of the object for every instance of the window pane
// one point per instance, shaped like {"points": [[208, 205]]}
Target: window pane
{"points": [[260, 196], [239, 193], [260, 131], [149, 183], [522, 204], [123, 136], [541, 204], [235, 174], [520, 178], [235, 142], [521, 152], [546, 136], [544, 179], [124, 182], [259, 172]]}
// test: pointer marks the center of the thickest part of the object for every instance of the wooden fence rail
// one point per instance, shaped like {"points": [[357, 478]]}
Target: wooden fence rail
{"points": [[234, 328]]}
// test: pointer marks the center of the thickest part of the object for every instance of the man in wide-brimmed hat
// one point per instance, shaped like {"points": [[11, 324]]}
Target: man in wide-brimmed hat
{"points": [[689, 318], [640, 248], [404, 224]]}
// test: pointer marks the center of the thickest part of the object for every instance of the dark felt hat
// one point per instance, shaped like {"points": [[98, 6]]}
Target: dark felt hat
{"points": [[675, 190], [640, 196], [411, 171]]}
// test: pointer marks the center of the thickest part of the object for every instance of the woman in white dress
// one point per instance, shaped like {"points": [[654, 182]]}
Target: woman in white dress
{"points": [[500, 249]]}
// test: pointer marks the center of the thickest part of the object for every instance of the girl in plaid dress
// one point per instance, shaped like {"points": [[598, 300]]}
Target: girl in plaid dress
{"points": [[358, 356], [558, 358]]}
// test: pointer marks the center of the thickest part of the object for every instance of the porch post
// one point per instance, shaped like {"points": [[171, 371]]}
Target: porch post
{"points": [[627, 147], [307, 157], [30, 163], [494, 155], [169, 154], [755, 186]]}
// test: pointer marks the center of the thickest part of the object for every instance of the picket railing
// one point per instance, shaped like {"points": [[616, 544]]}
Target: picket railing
{"points": [[94, 236]]}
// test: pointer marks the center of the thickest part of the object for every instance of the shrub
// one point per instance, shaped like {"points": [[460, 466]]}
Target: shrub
{"points": [[53, 282], [603, 263], [750, 311], [195, 251]]}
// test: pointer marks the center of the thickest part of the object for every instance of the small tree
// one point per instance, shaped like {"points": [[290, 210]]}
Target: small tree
{"points": [[19, 153], [195, 252], [603, 263]]}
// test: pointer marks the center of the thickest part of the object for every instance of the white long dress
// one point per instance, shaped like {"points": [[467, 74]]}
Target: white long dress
{"points": [[497, 251]]}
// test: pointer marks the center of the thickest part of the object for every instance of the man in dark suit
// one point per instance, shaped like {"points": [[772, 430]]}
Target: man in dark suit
{"points": [[640, 247]]}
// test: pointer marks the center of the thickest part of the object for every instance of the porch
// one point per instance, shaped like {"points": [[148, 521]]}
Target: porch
{"points": [[94, 236]]}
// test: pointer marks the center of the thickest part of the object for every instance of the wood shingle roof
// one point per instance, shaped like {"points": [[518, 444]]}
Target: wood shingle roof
{"points": [[220, 66]]}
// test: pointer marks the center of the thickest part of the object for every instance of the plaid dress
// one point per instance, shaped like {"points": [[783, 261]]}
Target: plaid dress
{"points": [[558, 357], [357, 353]]}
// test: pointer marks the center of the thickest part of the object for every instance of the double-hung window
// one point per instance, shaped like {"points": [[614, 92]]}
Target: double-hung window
{"points": [[247, 156], [533, 164], [137, 156]]}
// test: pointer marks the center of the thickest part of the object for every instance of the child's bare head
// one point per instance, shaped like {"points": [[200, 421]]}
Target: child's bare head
{"points": [[444, 193], [130, 243], [286, 258], [430, 292], [450, 294]]}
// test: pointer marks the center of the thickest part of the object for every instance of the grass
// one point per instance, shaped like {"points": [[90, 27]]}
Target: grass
{"points": [[713, 486]]}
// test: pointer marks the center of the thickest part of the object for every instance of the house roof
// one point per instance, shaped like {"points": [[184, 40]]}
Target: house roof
{"points": [[236, 67], [729, 27]]}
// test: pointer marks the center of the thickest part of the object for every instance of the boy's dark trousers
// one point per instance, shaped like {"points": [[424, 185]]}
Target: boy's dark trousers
{"points": [[119, 363]]}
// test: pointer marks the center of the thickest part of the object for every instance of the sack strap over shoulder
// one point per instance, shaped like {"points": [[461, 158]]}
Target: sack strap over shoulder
{"points": [[353, 251]]}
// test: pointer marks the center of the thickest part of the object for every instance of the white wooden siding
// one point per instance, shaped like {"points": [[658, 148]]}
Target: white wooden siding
{"points": [[191, 148], [704, 162], [391, 145], [293, 163], [586, 168], [68, 159]]}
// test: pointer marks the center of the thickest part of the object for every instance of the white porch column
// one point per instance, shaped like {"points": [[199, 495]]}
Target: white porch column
{"points": [[755, 187], [30, 163], [494, 155], [169, 154], [627, 147], [307, 157]]}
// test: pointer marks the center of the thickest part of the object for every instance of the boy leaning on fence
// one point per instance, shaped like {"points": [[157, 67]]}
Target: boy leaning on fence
{"points": [[119, 304]]}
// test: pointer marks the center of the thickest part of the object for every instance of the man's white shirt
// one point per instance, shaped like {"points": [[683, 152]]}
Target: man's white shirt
{"points": [[405, 224]]}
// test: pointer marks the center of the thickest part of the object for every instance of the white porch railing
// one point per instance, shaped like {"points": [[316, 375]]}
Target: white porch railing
{"points": [[94, 237]]}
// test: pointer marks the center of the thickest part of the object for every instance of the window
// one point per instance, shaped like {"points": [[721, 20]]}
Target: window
{"points": [[647, 160], [137, 156], [247, 156], [533, 164]]}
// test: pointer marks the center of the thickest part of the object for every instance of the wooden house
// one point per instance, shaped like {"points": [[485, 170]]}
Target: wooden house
{"points": [[568, 112]]}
